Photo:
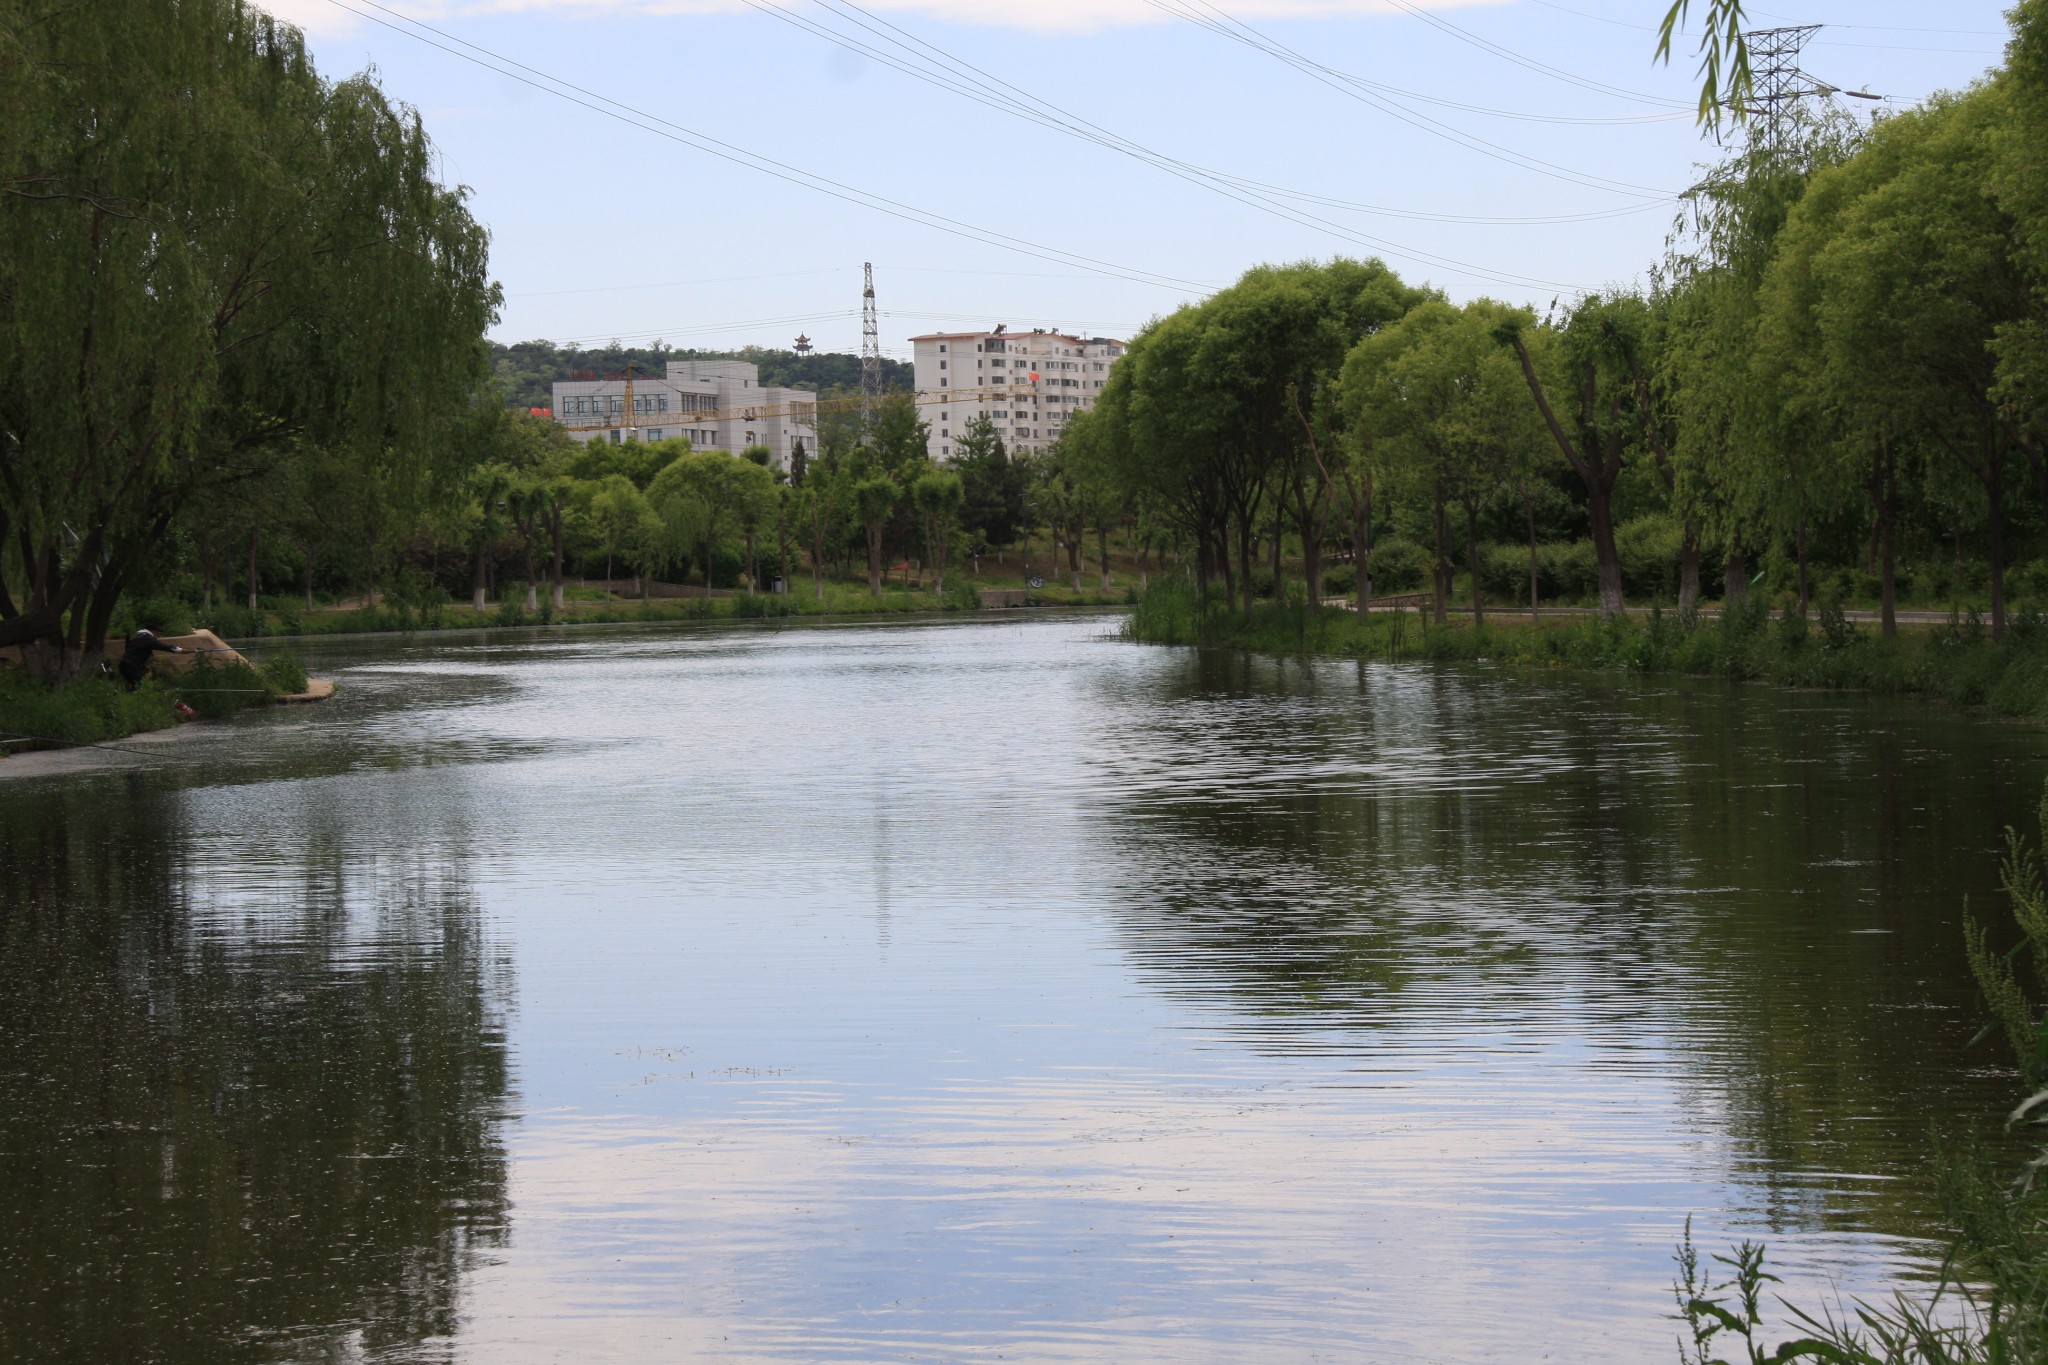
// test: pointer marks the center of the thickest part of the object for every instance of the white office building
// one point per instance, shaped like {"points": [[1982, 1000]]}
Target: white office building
{"points": [[716, 404], [1026, 383]]}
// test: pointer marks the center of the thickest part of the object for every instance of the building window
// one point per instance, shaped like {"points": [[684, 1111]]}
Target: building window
{"points": [[942, 381], [654, 435], [942, 364], [942, 348]]}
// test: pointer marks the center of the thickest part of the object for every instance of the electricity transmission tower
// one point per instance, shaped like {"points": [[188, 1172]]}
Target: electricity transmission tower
{"points": [[1777, 84], [870, 352]]}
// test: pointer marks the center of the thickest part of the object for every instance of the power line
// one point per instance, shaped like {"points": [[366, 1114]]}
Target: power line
{"points": [[1544, 68], [726, 151], [1032, 108], [967, 79], [1353, 88]]}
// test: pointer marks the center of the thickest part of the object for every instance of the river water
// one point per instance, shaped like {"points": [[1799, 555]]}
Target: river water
{"points": [[975, 990]]}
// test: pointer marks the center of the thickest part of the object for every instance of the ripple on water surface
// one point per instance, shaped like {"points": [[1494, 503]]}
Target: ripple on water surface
{"points": [[992, 989]]}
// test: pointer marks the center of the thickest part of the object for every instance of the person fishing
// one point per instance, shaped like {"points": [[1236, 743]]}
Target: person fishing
{"points": [[135, 658]]}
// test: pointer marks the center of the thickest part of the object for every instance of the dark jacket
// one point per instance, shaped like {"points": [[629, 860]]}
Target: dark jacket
{"points": [[142, 644]]}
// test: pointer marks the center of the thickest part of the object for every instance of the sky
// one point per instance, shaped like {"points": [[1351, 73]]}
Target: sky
{"points": [[714, 173]]}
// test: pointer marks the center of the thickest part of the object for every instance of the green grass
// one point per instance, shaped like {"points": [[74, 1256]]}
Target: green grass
{"points": [[1958, 661], [95, 710], [840, 599]]}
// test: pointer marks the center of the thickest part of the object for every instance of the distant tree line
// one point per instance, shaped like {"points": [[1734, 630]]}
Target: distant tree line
{"points": [[527, 370]]}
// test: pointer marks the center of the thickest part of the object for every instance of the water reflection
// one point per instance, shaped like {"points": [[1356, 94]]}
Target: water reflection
{"points": [[913, 992], [250, 1109], [1755, 898]]}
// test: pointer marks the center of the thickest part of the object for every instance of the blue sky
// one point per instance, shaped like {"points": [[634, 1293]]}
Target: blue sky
{"points": [[603, 230]]}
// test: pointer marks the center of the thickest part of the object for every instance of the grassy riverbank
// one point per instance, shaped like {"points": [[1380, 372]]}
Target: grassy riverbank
{"points": [[94, 710], [1957, 660], [283, 617]]}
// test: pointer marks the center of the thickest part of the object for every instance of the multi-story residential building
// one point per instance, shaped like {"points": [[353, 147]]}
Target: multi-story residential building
{"points": [[1027, 383], [717, 404]]}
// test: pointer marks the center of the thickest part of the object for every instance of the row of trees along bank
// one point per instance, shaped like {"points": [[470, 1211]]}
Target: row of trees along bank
{"points": [[242, 344], [221, 276], [1841, 361]]}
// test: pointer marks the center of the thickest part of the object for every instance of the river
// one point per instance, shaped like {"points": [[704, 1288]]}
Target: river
{"points": [[975, 990]]}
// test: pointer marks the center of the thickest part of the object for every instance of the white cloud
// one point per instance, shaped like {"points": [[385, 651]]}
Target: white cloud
{"points": [[1037, 16]]}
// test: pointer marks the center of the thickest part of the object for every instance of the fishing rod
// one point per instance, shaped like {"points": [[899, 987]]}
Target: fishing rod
{"points": [[14, 737]]}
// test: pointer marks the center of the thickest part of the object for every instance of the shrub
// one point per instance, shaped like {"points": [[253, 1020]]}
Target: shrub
{"points": [[1504, 571], [284, 672], [1568, 571], [1650, 549], [81, 712], [1398, 566], [216, 690]]}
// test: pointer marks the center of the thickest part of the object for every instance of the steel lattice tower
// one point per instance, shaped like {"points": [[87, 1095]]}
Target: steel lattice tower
{"points": [[870, 352], [1776, 82]]}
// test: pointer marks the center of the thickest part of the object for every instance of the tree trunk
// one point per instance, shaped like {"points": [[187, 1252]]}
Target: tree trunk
{"points": [[753, 564], [532, 585], [309, 578], [252, 573], [1600, 513], [1440, 571], [1472, 559], [1799, 553], [1529, 512], [1734, 576], [874, 559], [1361, 550], [206, 568], [1688, 569], [1102, 553], [1279, 546], [818, 559], [1994, 488], [1247, 552], [1887, 542], [555, 533], [477, 589]]}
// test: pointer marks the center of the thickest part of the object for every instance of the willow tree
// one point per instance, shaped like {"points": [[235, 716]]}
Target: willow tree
{"points": [[209, 257], [1158, 438], [937, 496], [1599, 354], [1445, 405], [1732, 452]]}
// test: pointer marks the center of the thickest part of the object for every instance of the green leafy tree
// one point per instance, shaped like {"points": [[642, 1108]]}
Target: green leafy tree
{"points": [[1597, 353], [490, 488], [1445, 402], [623, 520], [937, 496], [992, 485], [186, 301], [873, 499]]}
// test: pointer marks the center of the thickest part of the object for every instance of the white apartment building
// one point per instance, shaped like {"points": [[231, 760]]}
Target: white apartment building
{"points": [[1027, 383], [717, 404]]}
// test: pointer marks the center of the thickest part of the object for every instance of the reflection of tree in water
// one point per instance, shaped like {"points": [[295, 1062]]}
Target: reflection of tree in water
{"points": [[1757, 892], [233, 1138]]}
